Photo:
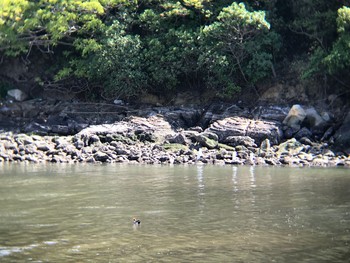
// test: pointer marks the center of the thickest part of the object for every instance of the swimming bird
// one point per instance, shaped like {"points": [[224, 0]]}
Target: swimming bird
{"points": [[136, 221]]}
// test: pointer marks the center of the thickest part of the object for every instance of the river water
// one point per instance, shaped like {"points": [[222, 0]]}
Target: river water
{"points": [[83, 213]]}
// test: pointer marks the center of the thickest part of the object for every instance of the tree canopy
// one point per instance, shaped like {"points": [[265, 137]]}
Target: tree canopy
{"points": [[122, 48]]}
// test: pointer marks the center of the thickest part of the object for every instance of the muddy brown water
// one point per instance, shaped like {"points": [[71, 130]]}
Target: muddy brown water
{"points": [[83, 213]]}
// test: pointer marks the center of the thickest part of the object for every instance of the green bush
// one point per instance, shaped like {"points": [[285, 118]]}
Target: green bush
{"points": [[123, 48]]}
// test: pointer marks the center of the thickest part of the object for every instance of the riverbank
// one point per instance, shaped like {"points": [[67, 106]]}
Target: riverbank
{"points": [[111, 149], [153, 140], [222, 134]]}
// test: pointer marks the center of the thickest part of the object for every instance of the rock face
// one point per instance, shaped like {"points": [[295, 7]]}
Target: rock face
{"points": [[306, 122], [239, 126], [342, 136], [151, 129], [110, 133]]}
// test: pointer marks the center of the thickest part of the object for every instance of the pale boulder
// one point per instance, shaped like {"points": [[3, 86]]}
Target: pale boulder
{"points": [[295, 117], [17, 94]]}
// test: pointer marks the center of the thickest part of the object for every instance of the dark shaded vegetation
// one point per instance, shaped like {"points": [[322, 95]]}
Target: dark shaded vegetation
{"points": [[104, 49]]}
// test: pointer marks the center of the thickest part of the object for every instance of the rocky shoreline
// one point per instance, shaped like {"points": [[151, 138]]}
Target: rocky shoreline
{"points": [[220, 135], [69, 149]]}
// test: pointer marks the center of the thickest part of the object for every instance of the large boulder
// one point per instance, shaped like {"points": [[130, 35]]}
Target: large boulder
{"points": [[270, 112], [342, 136], [183, 117], [295, 117], [240, 140], [240, 126], [207, 139], [154, 128], [260, 130], [219, 111], [317, 124], [17, 94], [300, 120], [290, 148], [312, 118]]}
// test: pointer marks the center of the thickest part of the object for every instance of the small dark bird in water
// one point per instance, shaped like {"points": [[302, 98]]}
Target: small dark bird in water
{"points": [[136, 221]]}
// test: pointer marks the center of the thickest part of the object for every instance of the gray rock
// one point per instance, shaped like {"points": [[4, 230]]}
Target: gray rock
{"points": [[37, 128], [240, 140], [93, 139], [42, 146], [312, 118], [326, 116], [303, 132], [196, 129], [295, 117], [261, 130], [18, 158], [319, 131], [327, 135], [79, 144], [320, 161], [23, 139], [273, 113], [342, 136], [179, 138], [90, 159], [234, 126], [289, 132], [219, 111], [265, 145], [118, 102], [238, 126], [290, 160], [9, 145], [265, 149], [290, 148], [207, 139], [101, 157], [155, 126], [30, 149], [305, 140], [31, 158], [17, 94], [60, 129]]}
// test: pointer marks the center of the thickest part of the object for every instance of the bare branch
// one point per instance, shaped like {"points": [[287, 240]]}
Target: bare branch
{"points": [[302, 32]]}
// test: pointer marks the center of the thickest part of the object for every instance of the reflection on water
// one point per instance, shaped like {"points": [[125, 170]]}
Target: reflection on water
{"points": [[83, 213]]}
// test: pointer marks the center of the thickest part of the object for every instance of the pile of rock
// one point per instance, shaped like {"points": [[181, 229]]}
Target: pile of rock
{"points": [[219, 134], [152, 140]]}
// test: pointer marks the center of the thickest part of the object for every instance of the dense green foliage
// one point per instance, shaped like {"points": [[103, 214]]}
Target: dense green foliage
{"points": [[122, 48]]}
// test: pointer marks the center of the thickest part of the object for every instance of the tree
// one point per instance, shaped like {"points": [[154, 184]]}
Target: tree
{"points": [[239, 42], [117, 67], [46, 24], [338, 59], [122, 48]]}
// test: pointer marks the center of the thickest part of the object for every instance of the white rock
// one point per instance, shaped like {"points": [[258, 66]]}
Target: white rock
{"points": [[118, 102], [295, 117], [17, 94]]}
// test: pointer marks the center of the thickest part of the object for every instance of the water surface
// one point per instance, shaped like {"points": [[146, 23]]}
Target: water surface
{"points": [[83, 213]]}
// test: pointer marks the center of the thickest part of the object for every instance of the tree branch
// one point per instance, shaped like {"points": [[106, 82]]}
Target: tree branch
{"points": [[302, 32]]}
